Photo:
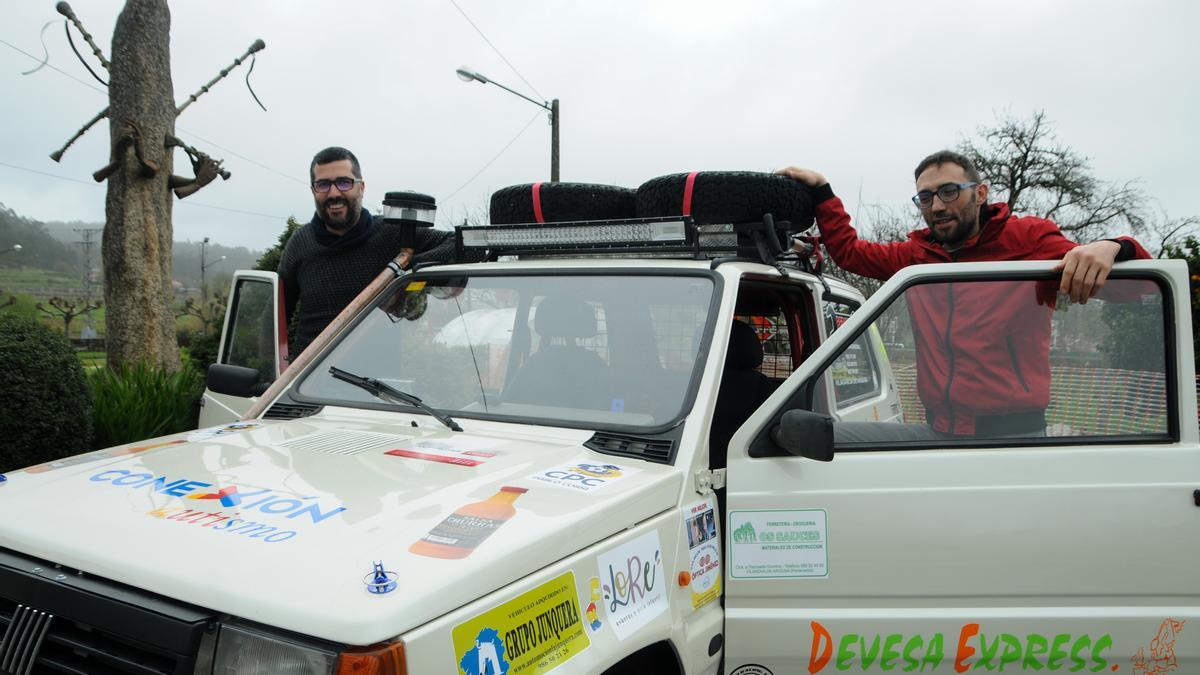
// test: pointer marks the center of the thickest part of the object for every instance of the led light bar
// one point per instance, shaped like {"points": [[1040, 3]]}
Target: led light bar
{"points": [[582, 234]]}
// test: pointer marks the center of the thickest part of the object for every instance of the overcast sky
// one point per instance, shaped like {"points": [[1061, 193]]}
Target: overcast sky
{"points": [[858, 90]]}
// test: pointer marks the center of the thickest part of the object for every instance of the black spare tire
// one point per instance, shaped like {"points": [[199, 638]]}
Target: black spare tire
{"points": [[557, 202], [727, 197]]}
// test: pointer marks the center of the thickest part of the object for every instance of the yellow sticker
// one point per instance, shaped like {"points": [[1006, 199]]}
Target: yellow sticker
{"points": [[415, 286], [532, 633]]}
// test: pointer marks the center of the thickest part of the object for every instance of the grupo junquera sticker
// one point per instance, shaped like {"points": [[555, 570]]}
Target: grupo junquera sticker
{"points": [[231, 509]]}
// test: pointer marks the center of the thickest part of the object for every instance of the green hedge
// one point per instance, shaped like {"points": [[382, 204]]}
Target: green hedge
{"points": [[46, 411]]}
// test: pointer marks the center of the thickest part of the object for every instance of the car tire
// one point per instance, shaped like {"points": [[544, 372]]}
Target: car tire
{"points": [[727, 197], [557, 202]]}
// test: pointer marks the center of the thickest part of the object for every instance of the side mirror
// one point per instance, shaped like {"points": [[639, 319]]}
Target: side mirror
{"points": [[805, 434], [235, 380]]}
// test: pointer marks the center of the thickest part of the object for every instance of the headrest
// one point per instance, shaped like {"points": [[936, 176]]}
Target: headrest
{"points": [[565, 318], [745, 349]]}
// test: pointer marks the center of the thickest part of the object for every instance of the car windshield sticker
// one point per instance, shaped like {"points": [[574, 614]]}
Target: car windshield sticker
{"points": [[532, 633], [778, 544], [213, 432], [704, 551], [583, 477], [100, 454], [466, 451], [634, 588]]}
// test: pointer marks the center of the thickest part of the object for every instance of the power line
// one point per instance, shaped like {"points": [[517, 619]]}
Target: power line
{"points": [[495, 49], [490, 161], [185, 203], [194, 135]]}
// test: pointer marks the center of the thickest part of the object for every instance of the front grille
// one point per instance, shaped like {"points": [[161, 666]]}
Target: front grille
{"points": [[55, 620]]}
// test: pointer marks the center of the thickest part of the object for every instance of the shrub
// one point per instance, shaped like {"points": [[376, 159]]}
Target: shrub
{"points": [[47, 406], [138, 402]]}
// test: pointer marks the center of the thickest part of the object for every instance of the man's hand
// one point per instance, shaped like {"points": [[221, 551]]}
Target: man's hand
{"points": [[1085, 268], [807, 176]]}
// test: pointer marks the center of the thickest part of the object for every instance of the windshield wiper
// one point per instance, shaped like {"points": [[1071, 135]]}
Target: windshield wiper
{"points": [[387, 392]]}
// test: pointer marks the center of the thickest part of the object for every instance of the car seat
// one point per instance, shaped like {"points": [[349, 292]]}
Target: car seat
{"points": [[561, 373], [743, 390]]}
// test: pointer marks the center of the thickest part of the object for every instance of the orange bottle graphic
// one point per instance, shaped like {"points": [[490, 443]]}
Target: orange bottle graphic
{"points": [[461, 531]]}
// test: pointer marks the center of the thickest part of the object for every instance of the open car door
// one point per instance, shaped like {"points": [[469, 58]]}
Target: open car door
{"points": [[1059, 533], [253, 349]]}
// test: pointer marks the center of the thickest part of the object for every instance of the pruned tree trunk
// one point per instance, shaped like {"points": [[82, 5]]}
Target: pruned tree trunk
{"points": [[137, 233]]}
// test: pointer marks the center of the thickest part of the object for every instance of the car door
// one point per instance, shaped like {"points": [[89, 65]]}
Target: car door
{"points": [[254, 335], [1070, 548]]}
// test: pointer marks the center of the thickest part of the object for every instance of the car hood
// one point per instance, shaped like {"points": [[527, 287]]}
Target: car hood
{"points": [[281, 522]]}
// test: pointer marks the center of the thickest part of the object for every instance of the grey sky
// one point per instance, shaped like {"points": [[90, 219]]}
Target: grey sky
{"points": [[857, 90]]}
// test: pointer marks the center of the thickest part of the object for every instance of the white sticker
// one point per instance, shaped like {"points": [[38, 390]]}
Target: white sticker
{"points": [[212, 432], [468, 451], [582, 477], [704, 551], [778, 544], [634, 587]]}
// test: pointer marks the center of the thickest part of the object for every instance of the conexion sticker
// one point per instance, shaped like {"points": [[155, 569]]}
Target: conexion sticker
{"points": [[972, 648], [206, 505]]}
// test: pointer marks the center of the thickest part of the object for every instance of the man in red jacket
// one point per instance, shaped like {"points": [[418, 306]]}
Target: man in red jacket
{"points": [[1004, 388]]}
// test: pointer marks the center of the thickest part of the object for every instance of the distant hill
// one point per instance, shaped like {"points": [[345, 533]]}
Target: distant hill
{"points": [[52, 246]]}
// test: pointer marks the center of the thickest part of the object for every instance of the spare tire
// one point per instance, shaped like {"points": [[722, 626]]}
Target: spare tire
{"points": [[727, 197], [556, 202]]}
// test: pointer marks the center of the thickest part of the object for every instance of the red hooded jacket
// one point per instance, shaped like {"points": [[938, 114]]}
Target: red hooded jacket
{"points": [[982, 351]]}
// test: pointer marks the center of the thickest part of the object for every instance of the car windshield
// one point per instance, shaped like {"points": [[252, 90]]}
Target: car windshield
{"points": [[586, 350]]}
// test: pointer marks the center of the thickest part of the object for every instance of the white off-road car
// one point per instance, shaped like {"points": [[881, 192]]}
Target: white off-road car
{"points": [[614, 447]]}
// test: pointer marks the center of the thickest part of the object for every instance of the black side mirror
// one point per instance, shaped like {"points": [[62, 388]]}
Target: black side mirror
{"points": [[235, 380], [804, 434]]}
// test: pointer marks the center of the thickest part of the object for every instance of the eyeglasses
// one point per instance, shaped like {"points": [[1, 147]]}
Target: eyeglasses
{"points": [[342, 183], [947, 192]]}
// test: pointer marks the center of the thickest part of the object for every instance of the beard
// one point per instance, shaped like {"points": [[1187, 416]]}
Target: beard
{"points": [[961, 225], [347, 218]]}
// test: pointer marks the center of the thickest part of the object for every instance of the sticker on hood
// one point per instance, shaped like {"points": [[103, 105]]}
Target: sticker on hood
{"points": [[99, 455], [531, 633], [461, 532], [582, 477], [635, 589], [469, 451], [213, 432], [704, 551]]}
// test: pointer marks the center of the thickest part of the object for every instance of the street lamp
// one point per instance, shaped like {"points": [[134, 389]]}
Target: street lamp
{"points": [[467, 75], [203, 286], [15, 248]]}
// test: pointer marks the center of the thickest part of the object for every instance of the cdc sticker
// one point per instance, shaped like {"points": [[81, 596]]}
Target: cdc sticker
{"points": [[582, 477], [532, 633], [752, 669]]}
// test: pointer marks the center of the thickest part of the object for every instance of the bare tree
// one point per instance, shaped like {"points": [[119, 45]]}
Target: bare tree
{"points": [[1164, 232], [138, 231], [209, 314], [67, 310], [883, 224], [1035, 173]]}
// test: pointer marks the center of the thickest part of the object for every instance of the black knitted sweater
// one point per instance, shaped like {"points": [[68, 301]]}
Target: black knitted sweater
{"points": [[324, 278]]}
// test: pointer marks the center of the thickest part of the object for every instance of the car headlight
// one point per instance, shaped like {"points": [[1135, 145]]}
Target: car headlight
{"points": [[245, 651]]}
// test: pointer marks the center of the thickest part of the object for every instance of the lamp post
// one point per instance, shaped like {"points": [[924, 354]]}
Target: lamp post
{"points": [[15, 248], [467, 75], [204, 286]]}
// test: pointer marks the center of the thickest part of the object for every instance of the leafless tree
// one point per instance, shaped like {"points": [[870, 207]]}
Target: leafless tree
{"points": [[1035, 173], [67, 310], [210, 315]]}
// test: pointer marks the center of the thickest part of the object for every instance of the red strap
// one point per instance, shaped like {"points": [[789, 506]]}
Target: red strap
{"points": [[537, 203], [687, 193]]}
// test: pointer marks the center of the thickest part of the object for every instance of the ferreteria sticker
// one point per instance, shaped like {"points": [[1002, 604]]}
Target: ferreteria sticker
{"points": [[532, 633], [973, 647], [778, 544]]}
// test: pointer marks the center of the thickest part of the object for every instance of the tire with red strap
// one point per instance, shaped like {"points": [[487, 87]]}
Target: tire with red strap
{"points": [[712, 197], [557, 202]]}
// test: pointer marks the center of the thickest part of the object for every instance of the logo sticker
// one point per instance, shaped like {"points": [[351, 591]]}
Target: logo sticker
{"points": [[445, 452], [752, 669], [1162, 657], [100, 454], [532, 633], [778, 544], [582, 477], [631, 576], [213, 432], [591, 615], [704, 550]]}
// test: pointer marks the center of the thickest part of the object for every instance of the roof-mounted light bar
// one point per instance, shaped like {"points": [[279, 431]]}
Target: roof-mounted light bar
{"points": [[580, 236]]}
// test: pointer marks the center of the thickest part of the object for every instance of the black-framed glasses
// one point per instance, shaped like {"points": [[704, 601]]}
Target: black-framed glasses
{"points": [[342, 183], [946, 192]]}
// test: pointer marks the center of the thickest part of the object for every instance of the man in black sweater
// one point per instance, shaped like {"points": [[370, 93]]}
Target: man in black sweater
{"points": [[330, 260]]}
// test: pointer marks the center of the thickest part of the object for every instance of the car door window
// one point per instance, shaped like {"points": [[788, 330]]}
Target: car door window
{"points": [[992, 359], [249, 340]]}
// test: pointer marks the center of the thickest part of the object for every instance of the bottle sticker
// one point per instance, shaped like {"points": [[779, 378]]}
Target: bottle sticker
{"points": [[463, 531]]}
